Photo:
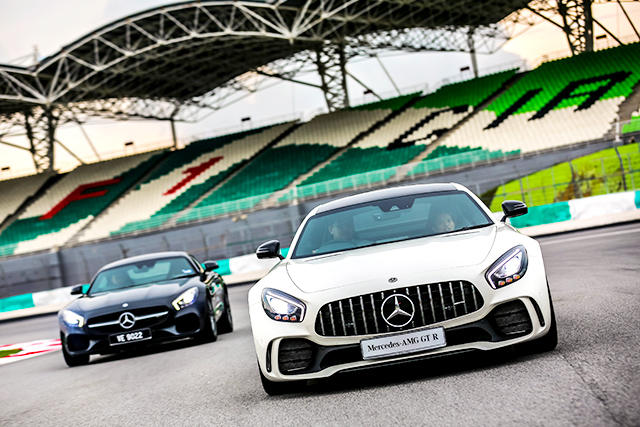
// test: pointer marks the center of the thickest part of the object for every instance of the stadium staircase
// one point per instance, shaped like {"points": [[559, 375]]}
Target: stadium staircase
{"points": [[377, 154], [400, 140], [559, 104], [625, 113], [441, 139], [182, 178], [161, 158], [273, 143], [310, 145], [397, 106], [19, 193]]}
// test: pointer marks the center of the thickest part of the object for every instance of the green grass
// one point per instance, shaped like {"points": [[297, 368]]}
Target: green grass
{"points": [[5, 353], [599, 173], [633, 126]]}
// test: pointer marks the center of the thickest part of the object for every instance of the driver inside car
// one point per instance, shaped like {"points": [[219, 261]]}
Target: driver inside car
{"points": [[443, 222], [119, 279], [341, 229]]}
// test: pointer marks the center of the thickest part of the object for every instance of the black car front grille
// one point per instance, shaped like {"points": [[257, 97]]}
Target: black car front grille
{"points": [[432, 303], [145, 317]]}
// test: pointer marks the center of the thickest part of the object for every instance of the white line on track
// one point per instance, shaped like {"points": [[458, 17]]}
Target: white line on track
{"points": [[591, 236]]}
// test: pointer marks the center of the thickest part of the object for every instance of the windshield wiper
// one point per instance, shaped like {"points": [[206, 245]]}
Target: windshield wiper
{"points": [[473, 227], [183, 276]]}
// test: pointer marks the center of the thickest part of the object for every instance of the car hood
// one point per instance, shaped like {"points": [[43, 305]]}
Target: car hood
{"points": [[399, 259], [146, 293]]}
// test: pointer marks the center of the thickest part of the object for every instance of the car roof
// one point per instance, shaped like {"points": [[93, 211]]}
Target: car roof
{"points": [[145, 257], [387, 193]]}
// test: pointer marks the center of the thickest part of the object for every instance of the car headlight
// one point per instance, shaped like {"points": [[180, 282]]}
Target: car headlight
{"points": [[282, 307], [185, 299], [509, 268], [72, 318]]}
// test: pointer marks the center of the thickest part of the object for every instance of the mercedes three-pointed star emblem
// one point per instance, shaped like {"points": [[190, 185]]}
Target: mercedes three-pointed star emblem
{"points": [[397, 310], [127, 320]]}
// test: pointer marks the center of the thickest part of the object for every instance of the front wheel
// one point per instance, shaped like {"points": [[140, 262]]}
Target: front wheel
{"points": [[273, 388], [209, 331], [550, 340], [226, 320], [73, 361]]}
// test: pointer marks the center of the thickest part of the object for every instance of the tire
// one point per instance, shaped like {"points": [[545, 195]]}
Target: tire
{"points": [[273, 388], [550, 340], [225, 324], [73, 361], [209, 331]]}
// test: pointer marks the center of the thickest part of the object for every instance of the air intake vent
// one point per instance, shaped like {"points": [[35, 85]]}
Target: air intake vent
{"points": [[511, 319], [294, 355]]}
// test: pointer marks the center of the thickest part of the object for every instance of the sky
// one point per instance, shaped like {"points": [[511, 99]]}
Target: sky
{"points": [[47, 25]]}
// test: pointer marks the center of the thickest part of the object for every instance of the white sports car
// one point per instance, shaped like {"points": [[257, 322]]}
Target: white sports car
{"points": [[398, 274]]}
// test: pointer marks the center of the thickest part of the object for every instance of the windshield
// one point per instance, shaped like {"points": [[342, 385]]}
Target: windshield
{"points": [[142, 273], [389, 220]]}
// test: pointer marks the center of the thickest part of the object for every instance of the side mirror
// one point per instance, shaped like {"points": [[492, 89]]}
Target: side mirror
{"points": [[210, 265], [77, 290], [513, 208], [270, 249]]}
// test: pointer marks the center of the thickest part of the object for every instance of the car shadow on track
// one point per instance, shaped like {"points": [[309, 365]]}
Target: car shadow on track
{"points": [[413, 371], [146, 350]]}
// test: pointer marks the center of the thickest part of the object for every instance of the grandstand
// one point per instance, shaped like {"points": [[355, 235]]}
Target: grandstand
{"points": [[544, 135], [491, 118]]}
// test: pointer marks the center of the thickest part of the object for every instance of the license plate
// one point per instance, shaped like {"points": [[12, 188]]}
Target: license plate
{"points": [[127, 337], [403, 343]]}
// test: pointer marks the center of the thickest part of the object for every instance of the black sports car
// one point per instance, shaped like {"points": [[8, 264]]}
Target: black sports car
{"points": [[145, 299]]}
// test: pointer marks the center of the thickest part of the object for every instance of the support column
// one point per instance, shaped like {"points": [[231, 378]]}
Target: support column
{"points": [[173, 134], [30, 136], [40, 126], [577, 24], [472, 51], [51, 123], [331, 62]]}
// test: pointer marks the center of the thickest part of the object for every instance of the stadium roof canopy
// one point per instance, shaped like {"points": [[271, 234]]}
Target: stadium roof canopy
{"points": [[168, 62], [184, 51]]}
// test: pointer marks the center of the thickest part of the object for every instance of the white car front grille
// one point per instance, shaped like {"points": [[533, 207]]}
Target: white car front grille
{"points": [[430, 304]]}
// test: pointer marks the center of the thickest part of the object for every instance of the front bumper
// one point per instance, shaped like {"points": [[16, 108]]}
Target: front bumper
{"points": [[170, 326], [296, 351]]}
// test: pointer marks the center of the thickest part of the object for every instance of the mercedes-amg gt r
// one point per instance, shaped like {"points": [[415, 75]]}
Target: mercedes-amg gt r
{"points": [[396, 275]]}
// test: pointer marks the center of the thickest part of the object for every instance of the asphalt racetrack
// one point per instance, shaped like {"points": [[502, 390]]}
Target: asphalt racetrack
{"points": [[591, 379]]}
